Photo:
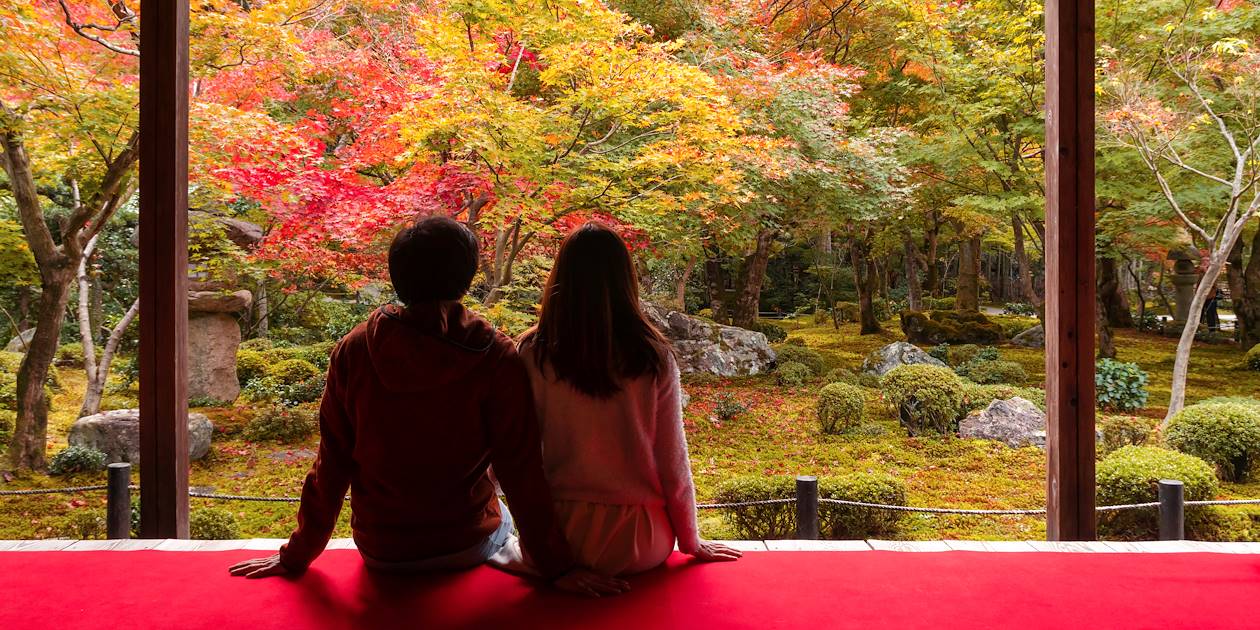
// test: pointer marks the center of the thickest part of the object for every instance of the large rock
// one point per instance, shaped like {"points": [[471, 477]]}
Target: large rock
{"points": [[20, 342], [117, 434], [1034, 337], [709, 348], [895, 355], [1014, 422]]}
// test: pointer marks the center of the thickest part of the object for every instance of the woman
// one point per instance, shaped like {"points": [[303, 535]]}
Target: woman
{"points": [[606, 388]]}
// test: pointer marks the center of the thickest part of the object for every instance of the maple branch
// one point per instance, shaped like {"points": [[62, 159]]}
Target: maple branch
{"points": [[82, 29]]}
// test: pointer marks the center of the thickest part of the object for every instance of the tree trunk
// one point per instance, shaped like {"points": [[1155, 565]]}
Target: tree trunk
{"points": [[914, 288], [1247, 303], [96, 384], [752, 275], [680, 291], [1137, 274], [1114, 303], [863, 276], [1181, 365], [716, 278], [262, 311], [30, 433], [1102, 323], [932, 281], [968, 275], [1026, 285]]}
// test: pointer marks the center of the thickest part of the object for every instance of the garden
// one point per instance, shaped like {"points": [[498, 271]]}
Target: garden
{"points": [[836, 212]]}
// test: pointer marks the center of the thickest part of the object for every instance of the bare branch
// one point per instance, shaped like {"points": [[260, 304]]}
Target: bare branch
{"points": [[82, 29]]}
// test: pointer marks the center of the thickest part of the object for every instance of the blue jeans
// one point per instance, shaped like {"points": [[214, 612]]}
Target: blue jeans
{"points": [[473, 556]]}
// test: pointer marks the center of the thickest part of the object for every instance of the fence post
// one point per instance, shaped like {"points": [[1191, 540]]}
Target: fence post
{"points": [[806, 508], [1172, 510], [118, 501]]}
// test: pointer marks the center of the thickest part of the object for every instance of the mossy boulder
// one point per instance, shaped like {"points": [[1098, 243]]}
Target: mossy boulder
{"points": [[936, 327]]}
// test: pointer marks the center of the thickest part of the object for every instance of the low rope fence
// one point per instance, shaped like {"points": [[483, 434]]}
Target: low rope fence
{"points": [[1171, 504]]}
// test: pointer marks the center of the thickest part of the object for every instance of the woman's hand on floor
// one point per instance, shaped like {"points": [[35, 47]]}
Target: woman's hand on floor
{"points": [[716, 552], [259, 567], [590, 583]]}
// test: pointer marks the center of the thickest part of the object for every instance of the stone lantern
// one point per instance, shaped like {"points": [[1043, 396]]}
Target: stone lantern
{"points": [[1184, 279]]}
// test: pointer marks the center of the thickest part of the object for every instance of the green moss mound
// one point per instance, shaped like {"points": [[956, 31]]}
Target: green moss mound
{"points": [[212, 524], [1252, 359], [835, 522], [797, 354], [840, 407], [281, 423], [997, 372], [1226, 435], [941, 326], [928, 398], [792, 374]]}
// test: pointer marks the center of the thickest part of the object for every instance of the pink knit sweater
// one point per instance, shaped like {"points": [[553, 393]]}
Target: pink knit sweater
{"points": [[629, 449]]}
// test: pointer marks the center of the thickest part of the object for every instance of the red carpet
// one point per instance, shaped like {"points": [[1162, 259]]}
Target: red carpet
{"points": [[157, 589]]}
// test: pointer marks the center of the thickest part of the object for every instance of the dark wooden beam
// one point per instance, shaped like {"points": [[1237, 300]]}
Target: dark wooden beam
{"points": [[163, 268], [1070, 268]]}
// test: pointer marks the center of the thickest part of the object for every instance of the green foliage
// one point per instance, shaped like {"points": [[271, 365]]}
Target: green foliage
{"points": [[281, 423], [728, 407], [840, 407], [1121, 431], [1019, 308], [1131, 474], [70, 355], [991, 372], [1253, 358], [774, 333], [1121, 386], [257, 343], [76, 459], [17, 265], [290, 381], [1226, 435], [811, 359], [977, 396], [292, 371], [250, 364], [793, 374], [212, 524], [771, 522], [843, 522], [939, 304], [940, 352], [927, 398], [795, 341]]}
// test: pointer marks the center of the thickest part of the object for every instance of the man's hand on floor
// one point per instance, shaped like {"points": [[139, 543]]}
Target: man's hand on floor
{"points": [[259, 567], [591, 584]]}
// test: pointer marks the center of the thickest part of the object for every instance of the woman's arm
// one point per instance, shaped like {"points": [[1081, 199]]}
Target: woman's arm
{"points": [[672, 462]]}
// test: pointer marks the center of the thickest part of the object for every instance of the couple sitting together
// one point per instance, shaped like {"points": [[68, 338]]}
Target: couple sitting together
{"points": [[429, 410]]}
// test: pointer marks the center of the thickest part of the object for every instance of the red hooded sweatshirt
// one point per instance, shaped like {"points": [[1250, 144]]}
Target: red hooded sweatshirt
{"points": [[419, 403]]}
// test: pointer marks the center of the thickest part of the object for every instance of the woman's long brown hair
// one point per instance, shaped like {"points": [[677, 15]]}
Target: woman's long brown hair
{"points": [[591, 330]]}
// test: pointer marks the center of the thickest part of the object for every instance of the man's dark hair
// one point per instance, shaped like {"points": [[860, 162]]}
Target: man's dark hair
{"points": [[433, 259]]}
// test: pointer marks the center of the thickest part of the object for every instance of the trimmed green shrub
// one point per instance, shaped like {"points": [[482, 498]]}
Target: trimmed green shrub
{"points": [[991, 372], [1121, 431], [796, 354], [927, 398], [76, 459], [971, 353], [1226, 435], [793, 374], [759, 522], [976, 396], [292, 371], [258, 344], [1131, 475], [795, 341], [70, 355], [281, 424], [1236, 400], [940, 352], [778, 521], [840, 407], [1121, 386], [1253, 358], [845, 522], [774, 333], [250, 364], [728, 407], [212, 524], [1019, 308], [841, 375]]}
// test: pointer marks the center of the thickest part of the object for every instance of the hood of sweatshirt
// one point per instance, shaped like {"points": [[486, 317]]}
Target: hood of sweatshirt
{"points": [[426, 346]]}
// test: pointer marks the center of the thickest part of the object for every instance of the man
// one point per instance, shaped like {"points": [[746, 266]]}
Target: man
{"points": [[420, 402]]}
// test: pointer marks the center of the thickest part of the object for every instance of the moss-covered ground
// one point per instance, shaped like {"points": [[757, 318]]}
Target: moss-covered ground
{"points": [[776, 436]]}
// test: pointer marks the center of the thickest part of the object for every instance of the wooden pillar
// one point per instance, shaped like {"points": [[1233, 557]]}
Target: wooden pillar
{"points": [[1070, 308], [163, 268]]}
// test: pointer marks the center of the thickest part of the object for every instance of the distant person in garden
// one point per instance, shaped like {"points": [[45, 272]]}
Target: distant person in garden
{"points": [[421, 400], [606, 387], [1211, 316]]}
